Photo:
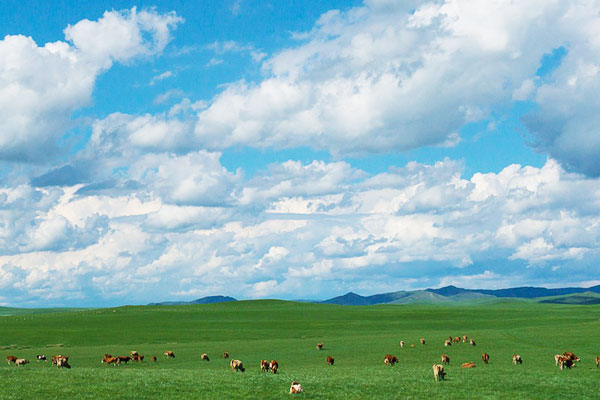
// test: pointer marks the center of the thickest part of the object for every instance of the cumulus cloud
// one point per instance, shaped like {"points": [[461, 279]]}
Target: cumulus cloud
{"points": [[41, 86]]}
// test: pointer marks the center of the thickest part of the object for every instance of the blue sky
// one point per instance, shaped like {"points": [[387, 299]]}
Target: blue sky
{"points": [[295, 149]]}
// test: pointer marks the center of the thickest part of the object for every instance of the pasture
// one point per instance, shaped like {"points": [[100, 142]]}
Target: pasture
{"points": [[357, 337]]}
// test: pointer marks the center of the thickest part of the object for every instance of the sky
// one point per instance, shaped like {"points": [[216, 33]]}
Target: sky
{"points": [[170, 150]]}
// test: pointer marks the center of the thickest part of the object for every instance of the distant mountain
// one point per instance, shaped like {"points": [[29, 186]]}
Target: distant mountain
{"points": [[452, 294], [203, 300]]}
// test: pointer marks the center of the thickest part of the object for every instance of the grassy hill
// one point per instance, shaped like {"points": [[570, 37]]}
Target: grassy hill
{"points": [[358, 338]]}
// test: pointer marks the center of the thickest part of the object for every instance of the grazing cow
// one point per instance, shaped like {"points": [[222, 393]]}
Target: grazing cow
{"points": [[517, 359], [390, 360], [465, 338], [123, 359], [21, 361], [319, 346], [330, 360], [225, 354], [11, 359], [264, 366], [450, 338], [598, 362], [438, 371], [402, 344], [445, 359], [133, 353], [468, 365], [236, 365], [110, 360], [58, 357], [456, 340], [485, 357], [154, 359], [422, 341], [472, 342], [137, 358], [273, 366], [447, 343], [63, 362], [571, 356], [41, 357], [169, 354], [204, 356], [295, 388]]}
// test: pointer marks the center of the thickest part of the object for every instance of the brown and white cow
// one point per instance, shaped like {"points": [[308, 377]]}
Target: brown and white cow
{"points": [[401, 343], [330, 360], [295, 388], [58, 357], [21, 361], [571, 356], [273, 366], [448, 343], [137, 358], [517, 359], [390, 359], [565, 362], [236, 365], [319, 346], [468, 365], [169, 354], [11, 359], [465, 338], [225, 354], [485, 357], [438, 372], [204, 357], [422, 341], [557, 358], [445, 359], [63, 362], [472, 342], [264, 366], [41, 357]]}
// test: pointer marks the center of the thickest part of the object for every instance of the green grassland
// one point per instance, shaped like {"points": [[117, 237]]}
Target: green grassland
{"points": [[358, 338]]}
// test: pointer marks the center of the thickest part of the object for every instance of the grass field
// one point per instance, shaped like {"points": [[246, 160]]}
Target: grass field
{"points": [[358, 338]]}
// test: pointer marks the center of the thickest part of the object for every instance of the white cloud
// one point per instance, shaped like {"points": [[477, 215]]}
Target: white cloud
{"points": [[40, 86]]}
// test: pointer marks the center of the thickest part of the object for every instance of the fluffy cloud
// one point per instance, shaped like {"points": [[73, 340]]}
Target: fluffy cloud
{"points": [[521, 224], [41, 86]]}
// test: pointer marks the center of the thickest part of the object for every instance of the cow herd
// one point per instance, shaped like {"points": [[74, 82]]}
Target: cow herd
{"points": [[564, 360]]}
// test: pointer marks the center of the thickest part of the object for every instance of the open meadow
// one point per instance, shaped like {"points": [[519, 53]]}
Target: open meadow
{"points": [[357, 337]]}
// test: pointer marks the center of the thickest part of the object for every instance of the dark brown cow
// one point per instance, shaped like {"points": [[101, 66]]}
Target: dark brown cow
{"points": [[110, 360], [11, 359], [154, 358], [236, 365], [422, 341], [565, 362], [225, 355], [330, 360], [204, 357], [137, 358], [264, 366], [123, 359], [468, 365], [485, 357], [517, 359], [571, 356], [319, 346], [274, 366], [598, 362], [390, 359], [438, 371], [169, 354], [445, 359]]}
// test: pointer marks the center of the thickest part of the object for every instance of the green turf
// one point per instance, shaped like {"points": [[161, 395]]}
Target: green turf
{"points": [[358, 338]]}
